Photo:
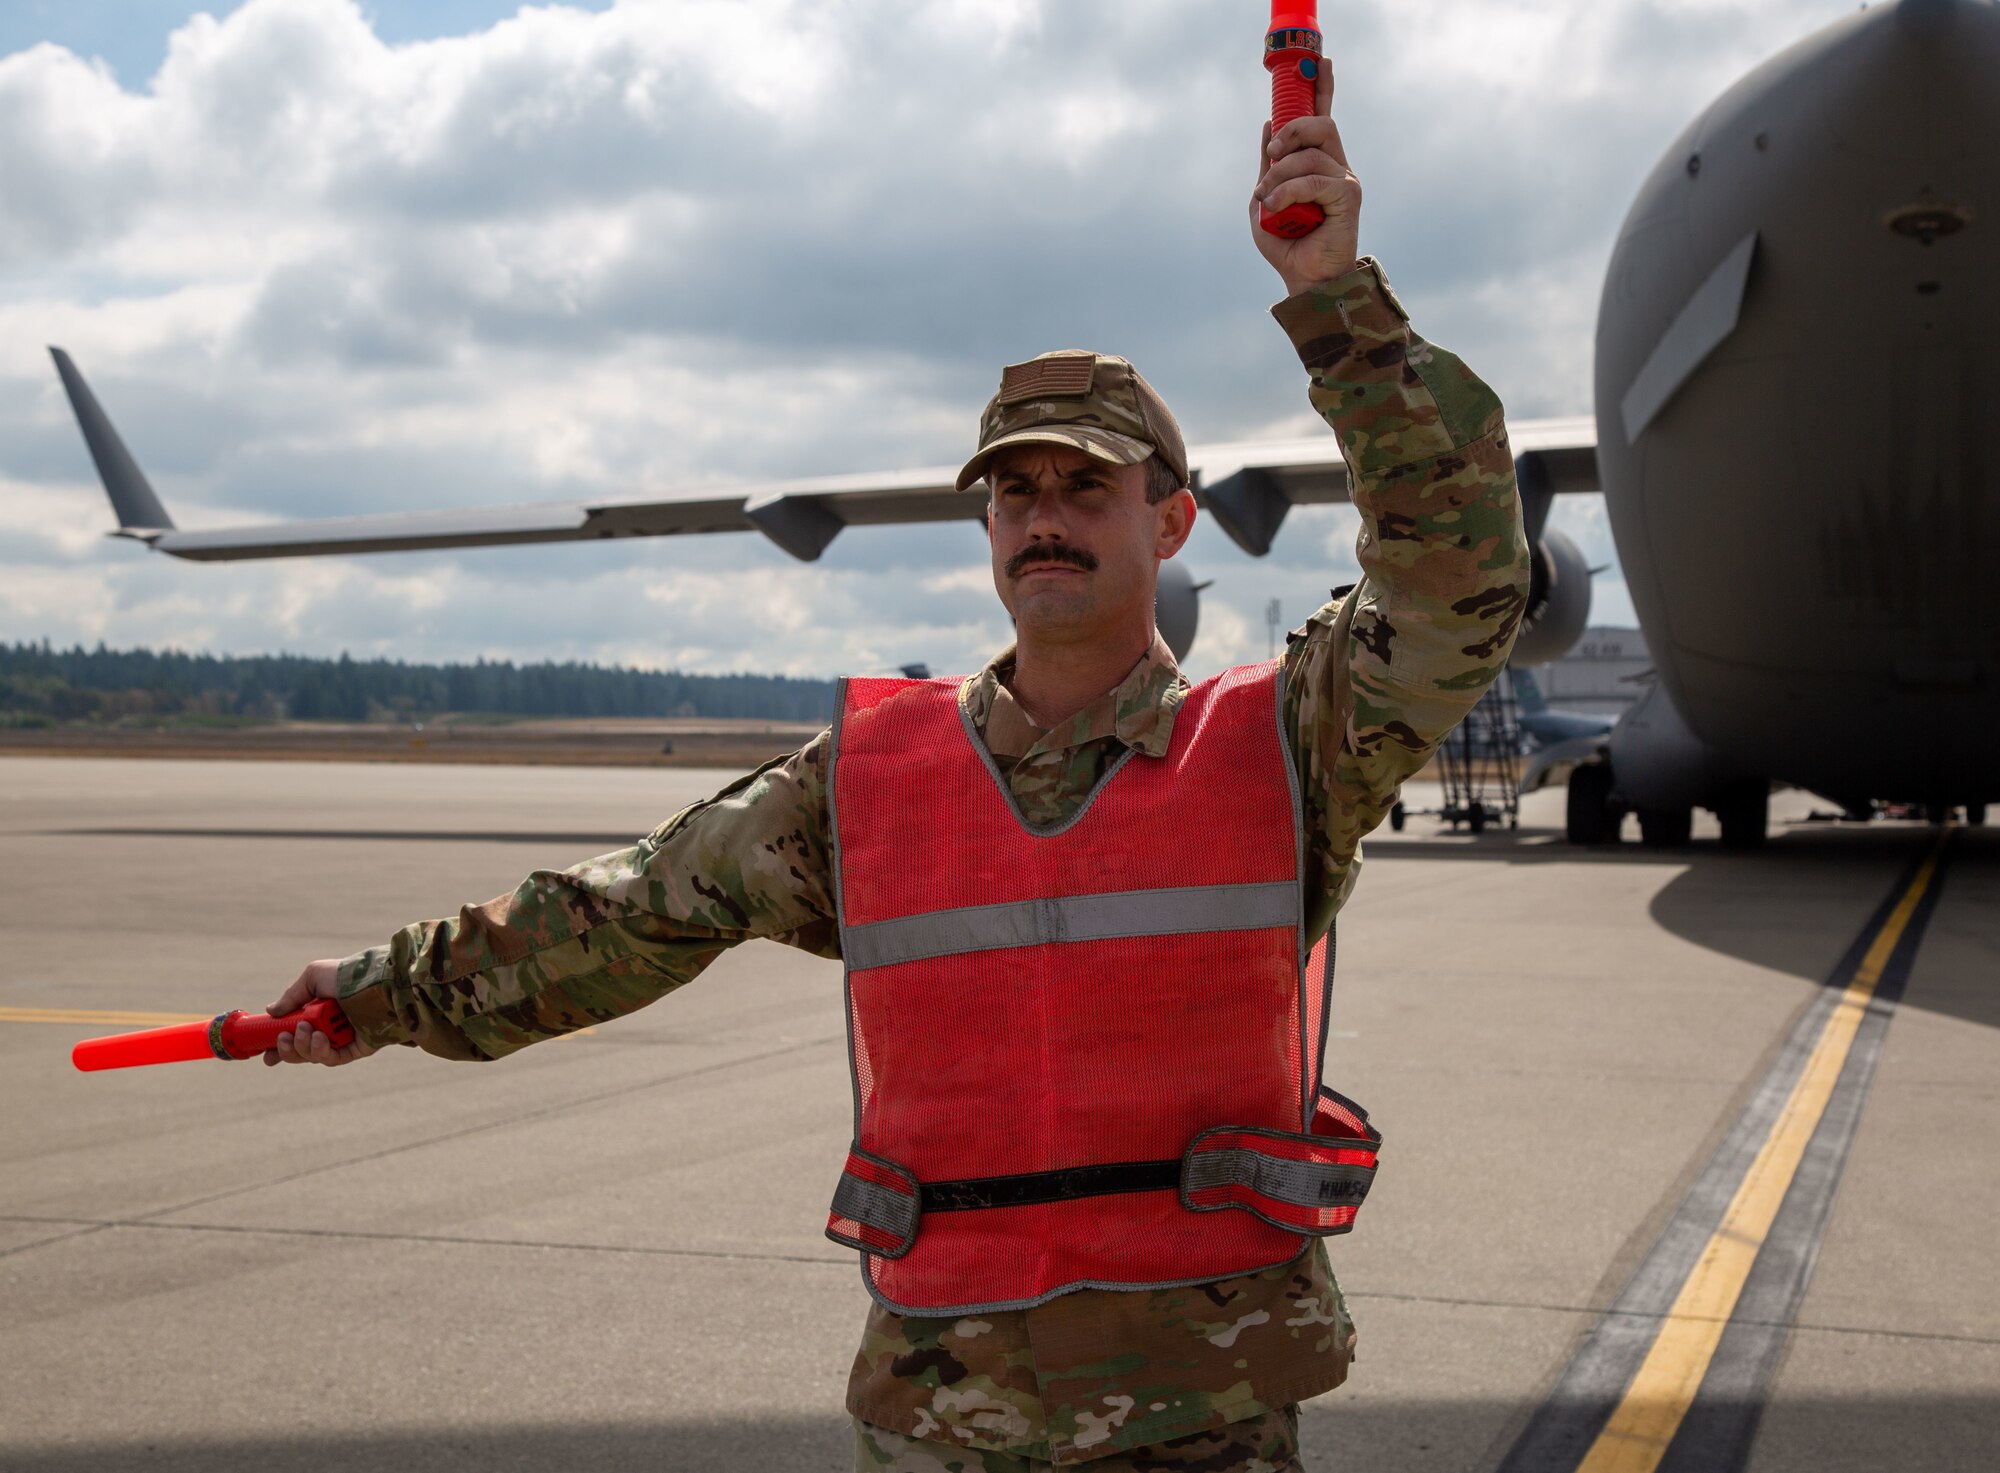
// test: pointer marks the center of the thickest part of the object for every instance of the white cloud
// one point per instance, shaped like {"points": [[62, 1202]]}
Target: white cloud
{"points": [[604, 254]]}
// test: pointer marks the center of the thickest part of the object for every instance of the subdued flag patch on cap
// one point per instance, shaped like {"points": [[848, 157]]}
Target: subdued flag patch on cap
{"points": [[1051, 377]]}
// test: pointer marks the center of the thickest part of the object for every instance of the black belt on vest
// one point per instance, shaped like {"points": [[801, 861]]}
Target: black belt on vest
{"points": [[1030, 1187]]}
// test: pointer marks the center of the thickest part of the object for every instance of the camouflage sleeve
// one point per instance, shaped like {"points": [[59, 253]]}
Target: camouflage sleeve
{"points": [[603, 938], [1376, 679]]}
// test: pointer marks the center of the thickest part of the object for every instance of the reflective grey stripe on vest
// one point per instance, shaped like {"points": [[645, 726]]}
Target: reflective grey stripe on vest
{"points": [[877, 1206], [1301, 1183], [1071, 918]]}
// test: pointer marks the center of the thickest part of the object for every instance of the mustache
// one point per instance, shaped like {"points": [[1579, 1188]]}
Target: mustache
{"points": [[1054, 552]]}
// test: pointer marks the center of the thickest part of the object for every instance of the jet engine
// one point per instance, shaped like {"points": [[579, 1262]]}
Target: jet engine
{"points": [[1558, 601], [1177, 607]]}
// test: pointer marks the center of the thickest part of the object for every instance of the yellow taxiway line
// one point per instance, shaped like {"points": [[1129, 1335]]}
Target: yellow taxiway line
{"points": [[1636, 1437], [97, 1018]]}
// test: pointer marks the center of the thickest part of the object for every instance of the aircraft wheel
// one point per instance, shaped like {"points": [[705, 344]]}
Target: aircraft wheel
{"points": [[1475, 817], [1975, 814], [1665, 828], [1589, 817], [1744, 811], [1397, 818]]}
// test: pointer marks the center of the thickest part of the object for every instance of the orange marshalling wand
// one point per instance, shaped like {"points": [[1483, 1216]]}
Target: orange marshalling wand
{"points": [[1292, 55], [233, 1035]]}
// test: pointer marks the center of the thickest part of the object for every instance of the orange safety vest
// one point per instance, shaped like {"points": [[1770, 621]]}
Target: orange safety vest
{"points": [[1073, 1046]]}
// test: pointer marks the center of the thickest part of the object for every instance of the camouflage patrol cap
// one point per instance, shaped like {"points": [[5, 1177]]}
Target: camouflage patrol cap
{"points": [[1088, 401]]}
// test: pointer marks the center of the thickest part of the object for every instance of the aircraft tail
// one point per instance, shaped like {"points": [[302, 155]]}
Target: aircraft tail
{"points": [[1528, 692], [132, 497]]}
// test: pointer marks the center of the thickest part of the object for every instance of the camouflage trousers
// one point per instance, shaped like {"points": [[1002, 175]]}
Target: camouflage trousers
{"points": [[1266, 1444]]}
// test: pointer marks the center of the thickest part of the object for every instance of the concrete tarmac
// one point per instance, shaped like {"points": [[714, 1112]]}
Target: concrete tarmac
{"points": [[606, 1252]]}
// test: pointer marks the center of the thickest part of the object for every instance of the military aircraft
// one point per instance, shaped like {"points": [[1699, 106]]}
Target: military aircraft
{"points": [[1797, 333], [1560, 741], [1540, 722]]}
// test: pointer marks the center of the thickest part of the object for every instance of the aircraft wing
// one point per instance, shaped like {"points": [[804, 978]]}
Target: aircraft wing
{"points": [[1248, 486], [802, 517]]}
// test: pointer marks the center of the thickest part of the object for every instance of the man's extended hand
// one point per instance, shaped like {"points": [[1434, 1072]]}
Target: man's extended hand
{"points": [[306, 1044], [1307, 162]]}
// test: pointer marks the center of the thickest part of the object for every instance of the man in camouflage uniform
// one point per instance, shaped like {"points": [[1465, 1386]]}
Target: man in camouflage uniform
{"points": [[1087, 495]]}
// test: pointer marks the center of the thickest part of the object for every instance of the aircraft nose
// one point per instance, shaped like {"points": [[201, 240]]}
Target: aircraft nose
{"points": [[1925, 17]]}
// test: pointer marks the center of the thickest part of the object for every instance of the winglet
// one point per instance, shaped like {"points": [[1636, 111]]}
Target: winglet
{"points": [[138, 509]]}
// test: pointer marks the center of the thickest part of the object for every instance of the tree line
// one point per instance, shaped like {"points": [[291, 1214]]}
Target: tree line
{"points": [[40, 683]]}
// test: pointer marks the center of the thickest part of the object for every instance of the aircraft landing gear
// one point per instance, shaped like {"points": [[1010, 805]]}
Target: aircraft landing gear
{"points": [[1591, 816], [1665, 828], [1398, 816], [1744, 811]]}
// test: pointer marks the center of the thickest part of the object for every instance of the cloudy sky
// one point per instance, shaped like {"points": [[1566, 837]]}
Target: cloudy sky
{"points": [[321, 258]]}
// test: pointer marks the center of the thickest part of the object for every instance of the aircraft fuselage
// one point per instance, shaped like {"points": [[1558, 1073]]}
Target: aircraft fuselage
{"points": [[1810, 523]]}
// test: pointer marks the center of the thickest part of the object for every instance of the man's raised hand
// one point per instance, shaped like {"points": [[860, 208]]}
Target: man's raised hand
{"points": [[1306, 162], [306, 1044]]}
